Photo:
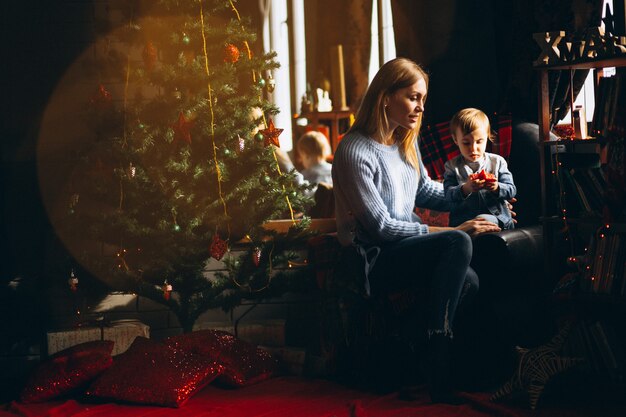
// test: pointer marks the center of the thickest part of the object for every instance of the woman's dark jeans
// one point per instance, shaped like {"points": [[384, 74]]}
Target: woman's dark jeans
{"points": [[437, 263]]}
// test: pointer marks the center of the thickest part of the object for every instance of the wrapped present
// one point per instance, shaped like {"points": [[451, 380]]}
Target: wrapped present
{"points": [[121, 332]]}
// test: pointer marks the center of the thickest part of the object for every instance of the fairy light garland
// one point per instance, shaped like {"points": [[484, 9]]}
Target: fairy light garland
{"points": [[218, 171], [291, 213], [601, 232]]}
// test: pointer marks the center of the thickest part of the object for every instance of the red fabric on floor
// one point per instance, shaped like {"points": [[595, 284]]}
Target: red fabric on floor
{"points": [[302, 397]]}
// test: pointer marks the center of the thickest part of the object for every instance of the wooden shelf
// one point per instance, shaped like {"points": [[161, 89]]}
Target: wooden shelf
{"points": [[616, 61], [334, 118]]}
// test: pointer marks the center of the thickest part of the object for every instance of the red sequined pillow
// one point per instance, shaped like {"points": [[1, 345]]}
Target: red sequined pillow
{"points": [[153, 373], [67, 371], [244, 363]]}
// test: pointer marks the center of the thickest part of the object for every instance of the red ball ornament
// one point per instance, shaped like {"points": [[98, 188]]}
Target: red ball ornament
{"points": [[231, 53], [218, 247]]}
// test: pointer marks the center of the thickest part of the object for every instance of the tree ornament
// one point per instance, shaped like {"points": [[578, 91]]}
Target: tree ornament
{"points": [[101, 98], [241, 143], [271, 134], [132, 170], [227, 152], [265, 179], [186, 39], [218, 247], [536, 367], [259, 137], [73, 282], [231, 53], [149, 55], [167, 290], [271, 83], [182, 129], [177, 94], [176, 227], [256, 256], [261, 82]]}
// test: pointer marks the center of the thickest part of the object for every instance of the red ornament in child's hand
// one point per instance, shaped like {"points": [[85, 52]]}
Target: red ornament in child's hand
{"points": [[483, 176], [218, 247], [231, 53]]}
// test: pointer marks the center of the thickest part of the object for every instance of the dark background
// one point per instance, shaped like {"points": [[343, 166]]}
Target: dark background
{"points": [[478, 54]]}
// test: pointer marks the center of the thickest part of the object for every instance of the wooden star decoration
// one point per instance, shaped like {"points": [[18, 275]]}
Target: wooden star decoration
{"points": [[535, 368], [271, 135], [182, 129]]}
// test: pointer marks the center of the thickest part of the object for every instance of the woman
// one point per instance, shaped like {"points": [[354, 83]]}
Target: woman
{"points": [[379, 179]]}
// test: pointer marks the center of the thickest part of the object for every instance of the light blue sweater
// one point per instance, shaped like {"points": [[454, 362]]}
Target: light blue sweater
{"points": [[376, 192], [464, 208]]}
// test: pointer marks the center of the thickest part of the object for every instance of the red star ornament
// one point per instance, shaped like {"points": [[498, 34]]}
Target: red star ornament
{"points": [[182, 129], [271, 135], [218, 247]]}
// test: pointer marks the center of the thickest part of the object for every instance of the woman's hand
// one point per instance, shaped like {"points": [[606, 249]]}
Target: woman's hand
{"points": [[477, 227], [509, 204]]}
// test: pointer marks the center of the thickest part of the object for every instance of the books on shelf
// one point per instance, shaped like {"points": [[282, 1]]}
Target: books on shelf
{"points": [[583, 192], [606, 98], [605, 272]]}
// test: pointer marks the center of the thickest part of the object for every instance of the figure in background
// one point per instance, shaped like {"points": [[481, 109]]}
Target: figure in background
{"points": [[477, 183], [378, 180], [314, 149]]}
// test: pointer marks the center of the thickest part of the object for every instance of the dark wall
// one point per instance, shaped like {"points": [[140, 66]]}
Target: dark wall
{"points": [[457, 42], [39, 40]]}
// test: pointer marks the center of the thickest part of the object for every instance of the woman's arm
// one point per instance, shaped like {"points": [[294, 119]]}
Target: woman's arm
{"points": [[356, 194], [430, 194], [472, 227]]}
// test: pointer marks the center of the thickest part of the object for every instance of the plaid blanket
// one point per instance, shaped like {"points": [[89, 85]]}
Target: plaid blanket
{"points": [[437, 146]]}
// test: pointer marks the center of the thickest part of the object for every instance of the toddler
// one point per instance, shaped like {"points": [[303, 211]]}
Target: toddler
{"points": [[313, 149], [477, 183]]}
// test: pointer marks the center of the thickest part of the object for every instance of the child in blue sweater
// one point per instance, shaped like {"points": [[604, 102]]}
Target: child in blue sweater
{"points": [[477, 183]]}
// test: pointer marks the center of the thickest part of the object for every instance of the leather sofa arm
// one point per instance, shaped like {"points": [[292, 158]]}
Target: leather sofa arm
{"points": [[510, 260]]}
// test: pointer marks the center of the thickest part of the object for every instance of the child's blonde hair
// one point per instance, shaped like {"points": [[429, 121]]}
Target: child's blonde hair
{"points": [[468, 120], [314, 144]]}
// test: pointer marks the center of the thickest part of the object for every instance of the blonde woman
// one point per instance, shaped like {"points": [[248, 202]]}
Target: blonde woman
{"points": [[379, 179]]}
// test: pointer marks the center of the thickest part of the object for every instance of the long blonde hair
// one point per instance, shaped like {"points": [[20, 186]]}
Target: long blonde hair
{"points": [[371, 118]]}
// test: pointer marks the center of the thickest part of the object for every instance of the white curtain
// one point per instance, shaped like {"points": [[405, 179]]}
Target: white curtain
{"points": [[383, 43], [276, 38]]}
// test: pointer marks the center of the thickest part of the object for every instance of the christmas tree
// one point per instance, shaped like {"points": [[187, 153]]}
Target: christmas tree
{"points": [[183, 163]]}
